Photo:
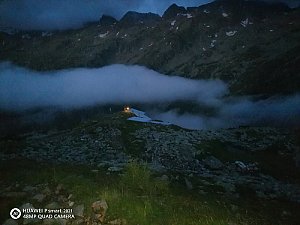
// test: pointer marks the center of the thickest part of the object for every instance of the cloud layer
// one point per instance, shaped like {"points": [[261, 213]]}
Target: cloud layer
{"points": [[279, 111], [22, 89]]}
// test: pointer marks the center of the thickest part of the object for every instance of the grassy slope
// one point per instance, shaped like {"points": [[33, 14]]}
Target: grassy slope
{"points": [[141, 199]]}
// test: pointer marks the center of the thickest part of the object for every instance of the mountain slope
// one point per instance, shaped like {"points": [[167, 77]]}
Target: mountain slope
{"points": [[253, 46]]}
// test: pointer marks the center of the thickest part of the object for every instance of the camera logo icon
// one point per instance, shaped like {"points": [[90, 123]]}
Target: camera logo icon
{"points": [[15, 213]]}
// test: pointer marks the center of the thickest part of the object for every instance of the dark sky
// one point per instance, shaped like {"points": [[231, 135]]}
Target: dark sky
{"points": [[62, 14]]}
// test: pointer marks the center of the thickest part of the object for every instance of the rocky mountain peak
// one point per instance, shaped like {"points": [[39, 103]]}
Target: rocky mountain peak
{"points": [[173, 10], [132, 18], [106, 20]]}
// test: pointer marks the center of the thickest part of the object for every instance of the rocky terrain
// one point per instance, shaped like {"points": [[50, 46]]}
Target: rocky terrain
{"points": [[251, 45], [220, 156], [246, 161]]}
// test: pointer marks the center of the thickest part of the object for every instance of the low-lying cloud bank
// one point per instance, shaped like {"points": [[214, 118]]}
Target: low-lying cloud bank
{"points": [[22, 89], [279, 111]]}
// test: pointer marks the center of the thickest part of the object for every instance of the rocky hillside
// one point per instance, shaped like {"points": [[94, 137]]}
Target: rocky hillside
{"points": [[252, 45], [241, 169]]}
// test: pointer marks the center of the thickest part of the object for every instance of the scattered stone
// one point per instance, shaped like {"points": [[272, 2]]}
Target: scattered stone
{"points": [[243, 167], [79, 222], [115, 169], [164, 178], [39, 197], [224, 14], [62, 198], [78, 210], [100, 208], [231, 33], [52, 205], [46, 191], [71, 204], [59, 188], [213, 163], [240, 165], [118, 222], [286, 213], [29, 189]]}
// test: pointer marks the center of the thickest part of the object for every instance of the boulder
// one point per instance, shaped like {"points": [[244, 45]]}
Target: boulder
{"points": [[29, 189], [213, 163], [53, 205], [118, 222], [27, 206], [39, 197], [59, 188], [46, 191], [78, 210], [164, 178], [99, 209]]}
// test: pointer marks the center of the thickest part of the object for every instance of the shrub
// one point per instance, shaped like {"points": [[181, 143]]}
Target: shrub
{"points": [[139, 178]]}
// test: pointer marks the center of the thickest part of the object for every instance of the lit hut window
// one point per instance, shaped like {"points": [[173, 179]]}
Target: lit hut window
{"points": [[126, 109]]}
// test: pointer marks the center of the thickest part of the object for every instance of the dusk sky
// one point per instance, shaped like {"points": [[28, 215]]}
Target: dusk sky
{"points": [[63, 14]]}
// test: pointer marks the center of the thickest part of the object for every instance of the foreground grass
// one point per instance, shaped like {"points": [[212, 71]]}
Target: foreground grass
{"points": [[140, 197]]}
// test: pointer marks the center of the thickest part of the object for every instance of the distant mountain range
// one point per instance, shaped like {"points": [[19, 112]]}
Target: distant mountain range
{"points": [[252, 45]]}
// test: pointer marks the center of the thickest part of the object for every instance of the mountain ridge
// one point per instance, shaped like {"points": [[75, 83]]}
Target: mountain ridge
{"points": [[253, 46]]}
